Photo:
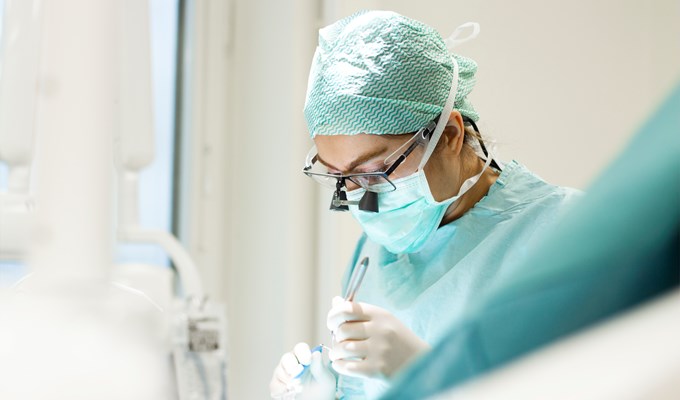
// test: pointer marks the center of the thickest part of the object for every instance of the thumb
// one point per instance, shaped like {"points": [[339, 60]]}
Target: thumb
{"points": [[337, 300], [320, 371]]}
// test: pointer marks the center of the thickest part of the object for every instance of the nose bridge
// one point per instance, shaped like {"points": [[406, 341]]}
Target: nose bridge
{"points": [[350, 184]]}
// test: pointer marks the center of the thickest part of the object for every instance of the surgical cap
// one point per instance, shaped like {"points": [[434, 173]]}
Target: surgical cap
{"points": [[379, 72]]}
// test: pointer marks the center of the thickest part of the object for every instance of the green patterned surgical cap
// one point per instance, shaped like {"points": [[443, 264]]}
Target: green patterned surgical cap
{"points": [[379, 72]]}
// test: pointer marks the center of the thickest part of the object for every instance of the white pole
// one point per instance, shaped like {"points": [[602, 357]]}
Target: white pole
{"points": [[76, 121], [19, 59], [63, 336], [20, 49]]}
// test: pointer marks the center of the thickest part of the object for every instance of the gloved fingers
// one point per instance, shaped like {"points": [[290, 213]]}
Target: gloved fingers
{"points": [[295, 386], [289, 392], [346, 311], [277, 389], [282, 376], [351, 331], [291, 365], [280, 383], [303, 353], [337, 301], [349, 349], [354, 367], [319, 370]]}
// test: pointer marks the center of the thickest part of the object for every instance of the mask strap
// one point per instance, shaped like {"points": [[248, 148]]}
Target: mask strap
{"points": [[451, 42], [471, 181], [443, 117]]}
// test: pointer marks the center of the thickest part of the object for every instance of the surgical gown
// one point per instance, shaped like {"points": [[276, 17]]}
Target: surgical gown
{"points": [[426, 290]]}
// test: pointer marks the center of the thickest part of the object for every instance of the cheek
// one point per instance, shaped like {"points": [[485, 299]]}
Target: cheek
{"points": [[443, 184], [409, 166], [349, 185]]}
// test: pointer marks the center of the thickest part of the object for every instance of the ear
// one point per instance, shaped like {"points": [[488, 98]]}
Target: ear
{"points": [[454, 134]]}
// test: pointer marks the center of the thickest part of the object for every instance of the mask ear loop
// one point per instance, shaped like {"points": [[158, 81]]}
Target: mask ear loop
{"points": [[452, 41], [443, 117]]}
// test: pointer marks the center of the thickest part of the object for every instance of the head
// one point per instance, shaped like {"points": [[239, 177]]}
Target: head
{"points": [[376, 79]]}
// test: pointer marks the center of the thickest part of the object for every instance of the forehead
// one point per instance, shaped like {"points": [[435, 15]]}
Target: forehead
{"points": [[344, 150], [350, 144]]}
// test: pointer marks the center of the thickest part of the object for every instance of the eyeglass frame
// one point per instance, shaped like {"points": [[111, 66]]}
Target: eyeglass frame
{"points": [[422, 136]]}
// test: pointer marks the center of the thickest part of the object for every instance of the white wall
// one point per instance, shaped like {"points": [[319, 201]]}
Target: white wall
{"points": [[248, 212], [272, 246], [561, 86]]}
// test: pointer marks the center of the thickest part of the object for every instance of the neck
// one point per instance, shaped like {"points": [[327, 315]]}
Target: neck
{"points": [[472, 196]]}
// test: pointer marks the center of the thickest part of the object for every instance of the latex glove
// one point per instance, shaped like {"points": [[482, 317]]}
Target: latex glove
{"points": [[369, 341], [318, 382]]}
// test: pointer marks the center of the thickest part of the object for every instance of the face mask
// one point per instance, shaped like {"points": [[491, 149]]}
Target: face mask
{"points": [[409, 215]]}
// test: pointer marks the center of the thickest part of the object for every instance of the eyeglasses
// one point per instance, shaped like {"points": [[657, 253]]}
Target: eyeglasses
{"points": [[372, 182], [377, 181]]}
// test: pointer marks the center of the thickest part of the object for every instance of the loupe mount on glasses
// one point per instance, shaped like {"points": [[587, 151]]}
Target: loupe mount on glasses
{"points": [[339, 202]]}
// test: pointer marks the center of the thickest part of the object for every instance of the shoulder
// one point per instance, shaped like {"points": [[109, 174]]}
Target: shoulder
{"points": [[518, 188]]}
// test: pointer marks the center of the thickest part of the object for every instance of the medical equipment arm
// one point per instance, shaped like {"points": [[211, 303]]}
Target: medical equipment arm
{"points": [[134, 145], [20, 59]]}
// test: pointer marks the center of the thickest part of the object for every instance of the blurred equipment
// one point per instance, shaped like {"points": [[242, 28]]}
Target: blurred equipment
{"points": [[76, 86]]}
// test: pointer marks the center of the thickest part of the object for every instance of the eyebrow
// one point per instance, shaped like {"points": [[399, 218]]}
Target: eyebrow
{"points": [[361, 159]]}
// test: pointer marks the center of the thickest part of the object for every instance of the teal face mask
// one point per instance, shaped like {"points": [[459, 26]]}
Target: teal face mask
{"points": [[408, 216]]}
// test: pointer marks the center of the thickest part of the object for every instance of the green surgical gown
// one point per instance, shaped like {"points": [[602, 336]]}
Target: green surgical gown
{"points": [[426, 290]]}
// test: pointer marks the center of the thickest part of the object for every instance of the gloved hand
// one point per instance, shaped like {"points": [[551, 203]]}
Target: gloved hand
{"points": [[318, 382], [369, 341]]}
